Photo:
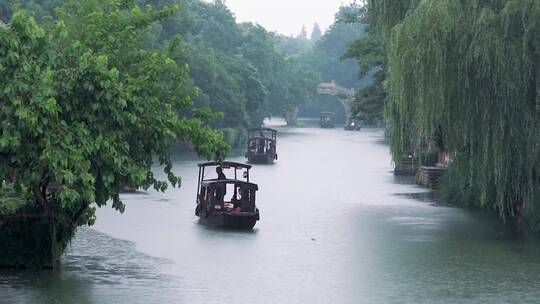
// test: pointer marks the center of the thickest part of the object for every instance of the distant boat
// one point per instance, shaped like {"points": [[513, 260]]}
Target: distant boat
{"points": [[262, 146], [128, 189], [328, 120], [353, 125], [237, 210]]}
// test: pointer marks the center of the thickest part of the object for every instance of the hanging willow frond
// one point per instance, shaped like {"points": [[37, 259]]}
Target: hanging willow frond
{"points": [[468, 71]]}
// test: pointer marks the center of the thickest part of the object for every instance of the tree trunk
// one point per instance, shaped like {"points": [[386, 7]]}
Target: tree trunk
{"points": [[292, 117], [41, 199]]}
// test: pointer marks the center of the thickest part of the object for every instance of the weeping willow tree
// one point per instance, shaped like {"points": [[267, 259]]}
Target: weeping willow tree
{"points": [[467, 73]]}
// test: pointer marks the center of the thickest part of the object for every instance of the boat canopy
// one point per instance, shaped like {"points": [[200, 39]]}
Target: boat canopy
{"points": [[266, 139], [238, 178], [225, 165], [213, 183], [328, 114], [262, 129], [262, 133]]}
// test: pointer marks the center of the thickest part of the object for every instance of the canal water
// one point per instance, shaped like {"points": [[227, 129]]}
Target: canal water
{"points": [[336, 227]]}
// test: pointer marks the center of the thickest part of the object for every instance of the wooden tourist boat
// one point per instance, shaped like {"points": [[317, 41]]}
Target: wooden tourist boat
{"points": [[261, 146], [353, 125], [327, 120], [227, 202]]}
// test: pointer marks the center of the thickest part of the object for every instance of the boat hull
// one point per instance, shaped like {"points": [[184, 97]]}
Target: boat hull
{"points": [[229, 220], [327, 125], [261, 158]]}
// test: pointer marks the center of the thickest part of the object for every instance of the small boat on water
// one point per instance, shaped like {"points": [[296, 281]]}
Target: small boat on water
{"points": [[227, 202], [261, 146], [327, 120], [353, 125]]}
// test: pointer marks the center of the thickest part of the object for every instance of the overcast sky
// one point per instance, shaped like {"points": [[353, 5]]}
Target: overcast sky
{"points": [[287, 16]]}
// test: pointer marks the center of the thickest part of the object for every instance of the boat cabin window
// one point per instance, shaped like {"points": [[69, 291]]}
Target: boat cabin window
{"points": [[245, 195], [213, 195], [327, 117], [261, 146], [230, 193], [238, 197], [233, 192], [246, 200]]}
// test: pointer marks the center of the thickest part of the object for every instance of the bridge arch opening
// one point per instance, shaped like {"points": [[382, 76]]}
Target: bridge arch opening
{"points": [[324, 103], [345, 96], [332, 98]]}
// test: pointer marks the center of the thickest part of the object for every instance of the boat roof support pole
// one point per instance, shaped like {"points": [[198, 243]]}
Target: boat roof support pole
{"points": [[199, 185]]}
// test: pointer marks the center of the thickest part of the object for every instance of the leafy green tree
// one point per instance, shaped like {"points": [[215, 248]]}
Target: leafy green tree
{"points": [[370, 53], [303, 33], [237, 69], [228, 81], [39, 8], [316, 33], [327, 54], [219, 87], [326, 57], [246, 82], [294, 47], [86, 108], [215, 25], [301, 85]]}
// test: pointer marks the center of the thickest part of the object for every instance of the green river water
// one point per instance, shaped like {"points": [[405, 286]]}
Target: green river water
{"points": [[336, 227]]}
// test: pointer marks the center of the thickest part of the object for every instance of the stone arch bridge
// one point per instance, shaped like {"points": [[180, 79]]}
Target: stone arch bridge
{"points": [[344, 95]]}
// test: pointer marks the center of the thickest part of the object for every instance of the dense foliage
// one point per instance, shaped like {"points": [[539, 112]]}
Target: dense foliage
{"points": [[465, 74], [325, 56], [370, 53], [86, 108], [238, 69]]}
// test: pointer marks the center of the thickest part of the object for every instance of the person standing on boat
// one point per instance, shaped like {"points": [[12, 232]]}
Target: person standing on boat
{"points": [[222, 189], [220, 174]]}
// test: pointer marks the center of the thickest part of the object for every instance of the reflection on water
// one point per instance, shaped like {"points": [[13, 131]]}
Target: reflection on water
{"points": [[428, 196], [96, 269], [336, 227]]}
